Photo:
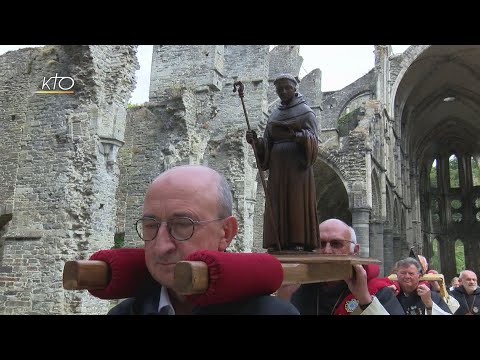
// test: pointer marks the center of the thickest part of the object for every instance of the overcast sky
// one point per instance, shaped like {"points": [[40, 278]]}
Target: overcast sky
{"points": [[340, 65]]}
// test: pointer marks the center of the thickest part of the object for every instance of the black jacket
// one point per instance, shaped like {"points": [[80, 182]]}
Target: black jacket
{"points": [[147, 300], [414, 305], [324, 298], [468, 303]]}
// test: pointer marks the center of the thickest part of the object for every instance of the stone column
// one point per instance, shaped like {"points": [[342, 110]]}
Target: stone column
{"points": [[397, 250], [360, 223], [377, 245], [388, 258]]}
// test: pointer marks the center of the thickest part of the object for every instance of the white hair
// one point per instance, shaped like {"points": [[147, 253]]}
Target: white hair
{"points": [[353, 238]]}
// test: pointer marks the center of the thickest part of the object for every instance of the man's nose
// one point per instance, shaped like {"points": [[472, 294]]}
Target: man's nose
{"points": [[163, 242], [327, 249]]}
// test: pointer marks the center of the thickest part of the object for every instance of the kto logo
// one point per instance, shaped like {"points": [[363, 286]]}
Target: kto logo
{"points": [[57, 85]]}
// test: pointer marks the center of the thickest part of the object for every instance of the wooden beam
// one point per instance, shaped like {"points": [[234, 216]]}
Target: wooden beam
{"points": [[86, 275], [191, 277], [312, 268]]}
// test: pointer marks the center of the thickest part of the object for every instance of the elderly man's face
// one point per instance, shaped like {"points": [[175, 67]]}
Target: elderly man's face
{"points": [[183, 192], [408, 277], [285, 90], [469, 281], [335, 239]]}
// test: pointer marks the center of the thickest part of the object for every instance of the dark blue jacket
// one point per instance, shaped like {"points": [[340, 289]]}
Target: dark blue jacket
{"points": [[323, 298], [413, 304], [147, 300], [468, 303]]}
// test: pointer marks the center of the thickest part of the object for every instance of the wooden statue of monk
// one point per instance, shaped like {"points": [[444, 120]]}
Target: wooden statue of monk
{"points": [[288, 150]]}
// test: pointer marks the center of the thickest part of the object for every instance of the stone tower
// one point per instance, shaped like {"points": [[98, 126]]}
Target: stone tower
{"points": [[58, 170]]}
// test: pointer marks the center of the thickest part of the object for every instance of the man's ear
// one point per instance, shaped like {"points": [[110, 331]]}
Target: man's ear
{"points": [[356, 249], [230, 229]]}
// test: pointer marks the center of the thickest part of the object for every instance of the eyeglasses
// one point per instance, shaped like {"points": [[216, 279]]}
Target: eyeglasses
{"points": [[335, 244], [179, 228]]}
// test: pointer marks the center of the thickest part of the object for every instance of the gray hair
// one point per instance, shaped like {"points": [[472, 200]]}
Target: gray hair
{"points": [[353, 237], [225, 198], [410, 261], [463, 273]]}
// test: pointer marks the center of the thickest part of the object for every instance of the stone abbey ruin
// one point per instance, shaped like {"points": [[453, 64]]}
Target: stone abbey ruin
{"points": [[399, 155]]}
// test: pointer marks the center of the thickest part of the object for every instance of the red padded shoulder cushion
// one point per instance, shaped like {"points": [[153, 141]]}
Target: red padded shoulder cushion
{"points": [[232, 276], [127, 271], [235, 276]]}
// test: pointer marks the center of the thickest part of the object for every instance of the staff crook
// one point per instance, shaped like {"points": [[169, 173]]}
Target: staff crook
{"points": [[241, 88]]}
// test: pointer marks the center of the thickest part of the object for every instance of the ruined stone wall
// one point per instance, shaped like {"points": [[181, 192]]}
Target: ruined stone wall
{"points": [[336, 101], [248, 64], [157, 138], [14, 88], [184, 66], [311, 88], [197, 120], [349, 159], [348, 146], [63, 206], [172, 129]]}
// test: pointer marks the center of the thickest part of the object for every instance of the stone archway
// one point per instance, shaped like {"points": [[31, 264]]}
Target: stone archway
{"points": [[332, 196], [436, 104]]}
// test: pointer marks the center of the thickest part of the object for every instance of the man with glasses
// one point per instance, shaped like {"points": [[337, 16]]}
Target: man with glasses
{"points": [[352, 296], [187, 209]]}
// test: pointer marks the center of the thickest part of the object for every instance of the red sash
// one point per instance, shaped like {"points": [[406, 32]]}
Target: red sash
{"points": [[349, 303]]}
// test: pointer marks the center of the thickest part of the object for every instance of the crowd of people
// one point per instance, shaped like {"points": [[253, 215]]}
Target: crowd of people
{"points": [[189, 208]]}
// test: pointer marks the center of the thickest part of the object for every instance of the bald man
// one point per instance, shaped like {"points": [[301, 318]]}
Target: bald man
{"points": [[347, 296], [467, 294], [187, 209]]}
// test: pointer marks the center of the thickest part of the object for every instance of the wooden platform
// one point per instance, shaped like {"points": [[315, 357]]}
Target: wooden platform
{"points": [[191, 277], [313, 267]]}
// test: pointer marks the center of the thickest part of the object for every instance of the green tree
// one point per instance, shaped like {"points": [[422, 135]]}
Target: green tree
{"points": [[453, 170], [435, 259], [475, 172], [118, 240], [459, 256], [433, 174]]}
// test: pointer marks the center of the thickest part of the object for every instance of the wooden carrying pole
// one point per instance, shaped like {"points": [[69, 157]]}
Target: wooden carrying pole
{"points": [[191, 277], [86, 275]]}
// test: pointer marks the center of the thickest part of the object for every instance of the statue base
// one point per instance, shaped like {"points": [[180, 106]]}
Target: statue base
{"points": [[290, 252]]}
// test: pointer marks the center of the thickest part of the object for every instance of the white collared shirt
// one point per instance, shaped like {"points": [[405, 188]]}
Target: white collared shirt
{"points": [[165, 306]]}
